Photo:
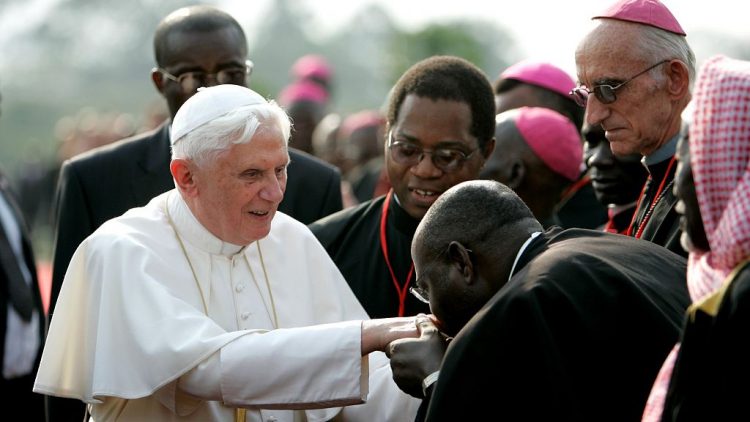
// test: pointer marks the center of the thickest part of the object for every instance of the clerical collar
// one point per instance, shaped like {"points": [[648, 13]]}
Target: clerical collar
{"points": [[662, 154], [193, 231], [401, 219], [520, 252]]}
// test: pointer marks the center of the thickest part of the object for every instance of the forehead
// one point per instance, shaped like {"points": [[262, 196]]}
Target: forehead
{"points": [[192, 45], [428, 118], [266, 149], [608, 52]]}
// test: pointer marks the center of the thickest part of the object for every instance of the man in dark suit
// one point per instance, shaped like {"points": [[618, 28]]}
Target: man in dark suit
{"points": [[21, 312], [560, 325], [194, 46]]}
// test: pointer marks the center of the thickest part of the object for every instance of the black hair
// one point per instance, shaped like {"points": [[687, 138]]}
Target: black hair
{"points": [[563, 104], [449, 78], [472, 213], [192, 19]]}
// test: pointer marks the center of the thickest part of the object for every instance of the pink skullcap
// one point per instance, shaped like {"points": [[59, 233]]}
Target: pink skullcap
{"points": [[541, 74], [553, 138], [647, 12], [312, 66], [302, 91], [361, 120]]}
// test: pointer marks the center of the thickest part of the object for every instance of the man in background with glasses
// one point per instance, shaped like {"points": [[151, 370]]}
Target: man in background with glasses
{"points": [[635, 70], [194, 46], [439, 132]]}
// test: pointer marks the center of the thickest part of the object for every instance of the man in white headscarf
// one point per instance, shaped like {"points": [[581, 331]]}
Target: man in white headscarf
{"points": [[208, 303]]}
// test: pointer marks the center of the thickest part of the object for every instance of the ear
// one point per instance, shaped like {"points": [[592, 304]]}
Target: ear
{"points": [[183, 172], [158, 79], [678, 79], [516, 173], [460, 258]]}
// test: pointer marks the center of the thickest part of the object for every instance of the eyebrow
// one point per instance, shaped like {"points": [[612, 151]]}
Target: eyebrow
{"points": [[441, 144]]}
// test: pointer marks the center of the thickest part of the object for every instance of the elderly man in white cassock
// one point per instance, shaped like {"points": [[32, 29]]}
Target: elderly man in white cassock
{"points": [[209, 305]]}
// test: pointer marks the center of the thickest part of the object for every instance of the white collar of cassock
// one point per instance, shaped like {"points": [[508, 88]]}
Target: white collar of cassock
{"points": [[192, 231]]}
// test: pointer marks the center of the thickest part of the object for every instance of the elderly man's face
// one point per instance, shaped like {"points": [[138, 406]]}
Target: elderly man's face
{"points": [[240, 190], [693, 238], [639, 121], [199, 51], [616, 180], [428, 124]]}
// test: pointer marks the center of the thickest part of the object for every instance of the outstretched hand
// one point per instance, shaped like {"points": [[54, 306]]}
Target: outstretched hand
{"points": [[377, 334], [412, 359]]}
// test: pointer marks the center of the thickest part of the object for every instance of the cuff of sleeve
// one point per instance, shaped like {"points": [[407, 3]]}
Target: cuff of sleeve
{"points": [[428, 381]]}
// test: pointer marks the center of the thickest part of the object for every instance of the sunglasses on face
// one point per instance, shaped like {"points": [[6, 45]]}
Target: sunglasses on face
{"points": [[606, 94]]}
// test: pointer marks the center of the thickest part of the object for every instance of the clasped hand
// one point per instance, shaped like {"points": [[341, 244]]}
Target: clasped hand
{"points": [[412, 359]]}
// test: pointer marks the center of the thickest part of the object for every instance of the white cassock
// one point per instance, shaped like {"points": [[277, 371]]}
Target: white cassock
{"points": [[160, 320]]}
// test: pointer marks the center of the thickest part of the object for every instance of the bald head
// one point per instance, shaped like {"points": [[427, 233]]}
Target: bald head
{"points": [[192, 19], [480, 214]]}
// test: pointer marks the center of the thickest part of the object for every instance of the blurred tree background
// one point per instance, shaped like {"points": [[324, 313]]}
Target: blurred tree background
{"points": [[74, 64], [71, 57], [78, 64]]}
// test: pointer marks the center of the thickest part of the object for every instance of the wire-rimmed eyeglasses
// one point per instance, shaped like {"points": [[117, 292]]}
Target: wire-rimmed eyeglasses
{"points": [[192, 80], [422, 294], [606, 94], [445, 158]]}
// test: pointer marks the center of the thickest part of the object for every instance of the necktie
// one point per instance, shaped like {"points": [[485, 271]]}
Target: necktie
{"points": [[18, 291]]}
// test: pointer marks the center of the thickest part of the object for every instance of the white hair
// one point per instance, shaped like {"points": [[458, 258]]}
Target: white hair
{"points": [[236, 127], [658, 44]]}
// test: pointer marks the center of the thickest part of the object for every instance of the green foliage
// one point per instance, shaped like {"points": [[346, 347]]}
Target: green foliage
{"points": [[439, 39]]}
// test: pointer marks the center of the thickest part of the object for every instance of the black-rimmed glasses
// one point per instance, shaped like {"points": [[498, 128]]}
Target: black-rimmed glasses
{"points": [[408, 154], [191, 81], [606, 94]]}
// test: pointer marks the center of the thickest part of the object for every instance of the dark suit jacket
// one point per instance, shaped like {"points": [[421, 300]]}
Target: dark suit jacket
{"points": [[18, 390], [104, 183], [578, 334]]}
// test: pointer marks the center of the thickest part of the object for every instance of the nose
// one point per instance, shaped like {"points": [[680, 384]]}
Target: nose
{"points": [[601, 156], [273, 190], [425, 168], [211, 79], [596, 112]]}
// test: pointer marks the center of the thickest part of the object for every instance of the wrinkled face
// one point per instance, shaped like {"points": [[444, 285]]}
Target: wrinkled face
{"points": [[639, 121], [199, 51], [616, 180], [240, 190], [430, 124], [693, 238]]}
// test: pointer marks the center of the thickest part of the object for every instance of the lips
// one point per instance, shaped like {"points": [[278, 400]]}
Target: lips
{"points": [[424, 196]]}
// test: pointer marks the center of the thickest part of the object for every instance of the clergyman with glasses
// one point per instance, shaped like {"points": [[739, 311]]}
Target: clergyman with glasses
{"points": [[440, 129], [635, 72], [193, 46]]}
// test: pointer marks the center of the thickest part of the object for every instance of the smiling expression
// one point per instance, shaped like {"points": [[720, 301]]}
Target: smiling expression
{"points": [[431, 124], [239, 191]]}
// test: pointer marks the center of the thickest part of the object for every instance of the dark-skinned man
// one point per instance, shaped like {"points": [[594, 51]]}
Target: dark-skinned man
{"points": [[564, 325]]}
